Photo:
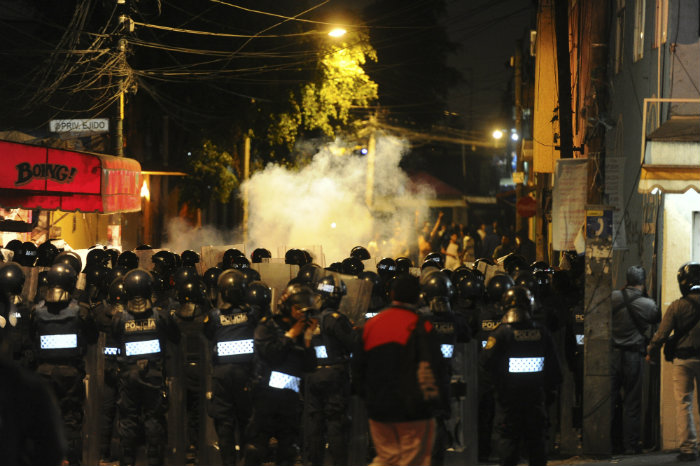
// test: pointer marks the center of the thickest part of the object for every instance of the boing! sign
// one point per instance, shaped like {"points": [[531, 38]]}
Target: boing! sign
{"points": [[95, 125]]}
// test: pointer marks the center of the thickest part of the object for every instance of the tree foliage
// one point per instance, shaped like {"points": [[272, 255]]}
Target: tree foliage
{"points": [[211, 175]]}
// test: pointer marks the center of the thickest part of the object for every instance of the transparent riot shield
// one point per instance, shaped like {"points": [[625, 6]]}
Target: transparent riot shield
{"points": [[276, 276]]}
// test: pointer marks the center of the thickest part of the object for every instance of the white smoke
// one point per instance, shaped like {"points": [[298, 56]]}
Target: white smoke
{"points": [[181, 236], [323, 204]]}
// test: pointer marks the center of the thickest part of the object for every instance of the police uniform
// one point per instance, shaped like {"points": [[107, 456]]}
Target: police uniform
{"points": [[18, 335], [489, 318], [328, 388], [142, 403], [61, 337], [520, 355], [280, 363], [231, 333]]}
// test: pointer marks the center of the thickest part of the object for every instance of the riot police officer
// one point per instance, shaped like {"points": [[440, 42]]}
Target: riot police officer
{"points": [[230, 327], [61, 334], [521, 357], [328, 388], [142, 331], [283, 353], [17, 333]]}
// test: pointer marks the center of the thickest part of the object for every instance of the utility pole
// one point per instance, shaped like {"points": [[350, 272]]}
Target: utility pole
{"points": [[124, 25], [371, 153], [246, 176], [561, 30]]}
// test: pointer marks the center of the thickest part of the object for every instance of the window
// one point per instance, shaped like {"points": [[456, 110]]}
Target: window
{"points": [[619, 33], [661, 26], [639, 14]]}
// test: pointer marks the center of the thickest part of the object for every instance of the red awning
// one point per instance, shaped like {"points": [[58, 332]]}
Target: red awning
{"points": [[54, 179]]}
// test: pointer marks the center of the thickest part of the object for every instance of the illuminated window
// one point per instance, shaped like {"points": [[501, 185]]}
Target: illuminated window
{"points": [[639, 17], [661, 27]]}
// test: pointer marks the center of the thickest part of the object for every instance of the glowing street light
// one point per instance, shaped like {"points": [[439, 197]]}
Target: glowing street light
{"points": [[337, 32], [497, 134]]}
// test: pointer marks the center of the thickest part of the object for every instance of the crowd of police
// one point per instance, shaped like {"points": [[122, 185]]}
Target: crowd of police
{"points": [[266, 368]]}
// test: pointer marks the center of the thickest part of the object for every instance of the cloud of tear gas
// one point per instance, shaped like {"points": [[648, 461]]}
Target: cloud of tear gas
{"points": [[323, 204], [181, 236]]}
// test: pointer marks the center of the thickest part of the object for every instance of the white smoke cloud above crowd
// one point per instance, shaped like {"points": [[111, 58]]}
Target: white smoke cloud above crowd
{"points": [[323, 204]]}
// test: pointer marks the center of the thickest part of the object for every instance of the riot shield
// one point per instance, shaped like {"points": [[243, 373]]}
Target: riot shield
{"points": [[210, 256], [276, 276]]}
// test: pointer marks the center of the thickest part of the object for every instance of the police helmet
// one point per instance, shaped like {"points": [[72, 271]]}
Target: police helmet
{"points": [[428, 264], [96, 256], [232, 286], [11, 279], [517, 304], [45, 254], [112, 256], [258, 294], [437, 258], [514, 264], [163, 262], [437, 291], [331, 290], [335, 267], [360, 253], [309, 273], [143, 247], [128, 260], [689, 278], [27, 254], [229, 258], [70, 258], [211, 280], [184, 274], [295, 257], [543, 283], [527, 280], [403, 265], [191, 290], [352, 266], [117, 293], [307, 257], [138, 284], [251, 275], [189, 258], [116, 272], [259, 254], [497, 285], [15, 245], [96, 283], [482, 260], [470, 289], [541, 265], [386, 268], [60, 279], [296, 295], [460, 273], [237, 262]]}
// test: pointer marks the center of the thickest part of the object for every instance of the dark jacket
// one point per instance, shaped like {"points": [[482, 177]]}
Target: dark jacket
{"points": [[678, 317], [382, 374], [625, 333]]}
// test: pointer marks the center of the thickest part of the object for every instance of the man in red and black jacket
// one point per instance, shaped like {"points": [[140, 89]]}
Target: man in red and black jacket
{"points": [[400, 372]]}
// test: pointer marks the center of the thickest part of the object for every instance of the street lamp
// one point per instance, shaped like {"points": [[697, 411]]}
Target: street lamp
{"points": [[497, 134], [337, 32]]}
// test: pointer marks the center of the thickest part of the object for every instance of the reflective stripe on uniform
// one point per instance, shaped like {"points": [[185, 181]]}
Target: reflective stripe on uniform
{"points": [[579, 339], [234, 347], [136, 348], [321, 352], [111, 351], [524, 365], [282, 380], [60, 341], [447, 350]]}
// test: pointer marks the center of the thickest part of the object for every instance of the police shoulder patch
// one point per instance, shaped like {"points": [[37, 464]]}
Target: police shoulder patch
{"points": [[206, 319], [335, 315], [490, 343]]}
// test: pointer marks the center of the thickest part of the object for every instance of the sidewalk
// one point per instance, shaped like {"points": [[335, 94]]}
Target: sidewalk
{"points": [[643, 459]]}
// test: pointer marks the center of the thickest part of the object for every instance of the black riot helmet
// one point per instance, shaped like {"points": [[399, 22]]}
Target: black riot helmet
{"points": [[251, 275], [514, 264], [295, 257], [307, 257], [11, 279], [189, 258], [352, 266], [428, 264], [231, 257], [309, 274], [211, 280], [70, 258], [117, 293], [27, 254], [335, 267], [15, 245], [470, 290], [386, 268], [543, 284], [689, 278], [258, 294], [259, 254], [541, 265], [191, 290], [527, 279], [331, 290], [112, 256], [138, 284], [232, 286], [184, 274], [437, 258], [163, 262], [403, 265], [237, 262], [497, 285], [482, 260], [360, 253], [143, 247], [96, 283], [45, 254], [296, 295], [437, 291], [96, 256], [517, 304], [460, 273], [61, 279], [116, 272]]}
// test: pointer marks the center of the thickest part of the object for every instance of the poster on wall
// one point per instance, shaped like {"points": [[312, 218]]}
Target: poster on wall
{"points": [[114, 236], [568, 202], [614, 180]]}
